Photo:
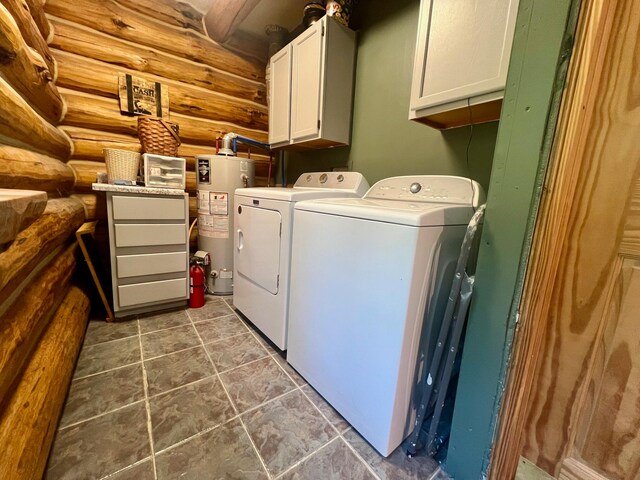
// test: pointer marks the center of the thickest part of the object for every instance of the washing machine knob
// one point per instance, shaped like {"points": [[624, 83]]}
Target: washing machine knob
{"points": [[415, 187]]}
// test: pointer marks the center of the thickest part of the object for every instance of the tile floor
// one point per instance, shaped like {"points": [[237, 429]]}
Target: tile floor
{"points": [[199, 394]]}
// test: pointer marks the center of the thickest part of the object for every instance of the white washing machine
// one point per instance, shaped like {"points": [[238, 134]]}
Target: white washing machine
{"points": [[370, 279], [262, 253]]}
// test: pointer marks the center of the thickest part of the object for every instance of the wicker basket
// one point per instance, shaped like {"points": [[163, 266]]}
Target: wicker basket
{"points": [[158, 136], [121, 164]]}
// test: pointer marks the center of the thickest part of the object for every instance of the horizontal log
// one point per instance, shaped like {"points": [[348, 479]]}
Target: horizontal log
{"points": [[89, 145], [95, 205], [25, 320], [110, 17], [101, 113], [18, 121], [173, 12], [101, 78], [19, 10], [29, 419], [36, 8], [60, 219], [89, 43], [26, 70], [85, 173], [27, 170]]}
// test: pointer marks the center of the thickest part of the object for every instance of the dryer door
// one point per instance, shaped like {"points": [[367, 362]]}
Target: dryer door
{"points": [[257, 246]]}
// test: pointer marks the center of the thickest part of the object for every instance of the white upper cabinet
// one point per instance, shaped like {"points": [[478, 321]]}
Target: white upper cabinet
{"points": [[462, 57], [312, 88], [279, 120]]}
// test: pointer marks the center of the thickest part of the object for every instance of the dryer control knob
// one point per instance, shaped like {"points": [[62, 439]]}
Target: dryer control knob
{"points": [[415, 187]]}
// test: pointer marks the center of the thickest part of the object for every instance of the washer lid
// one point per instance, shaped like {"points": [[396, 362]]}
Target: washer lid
{"points": [[392, 211], [424, 200]]}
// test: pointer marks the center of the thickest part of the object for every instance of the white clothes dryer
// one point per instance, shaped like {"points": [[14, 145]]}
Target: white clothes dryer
{"points": [[262, 253], [369, 284]]}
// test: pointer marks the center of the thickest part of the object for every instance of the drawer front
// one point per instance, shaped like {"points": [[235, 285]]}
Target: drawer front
{"points": [[135, 235], [150, 292], [151, 264], [148, 208]]}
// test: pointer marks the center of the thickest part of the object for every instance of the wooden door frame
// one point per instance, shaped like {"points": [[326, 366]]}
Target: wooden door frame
{"points": [[582, 90]]}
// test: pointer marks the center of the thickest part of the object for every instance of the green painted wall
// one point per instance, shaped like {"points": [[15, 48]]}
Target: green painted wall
{"points": [[384, 142], [541, 50]]}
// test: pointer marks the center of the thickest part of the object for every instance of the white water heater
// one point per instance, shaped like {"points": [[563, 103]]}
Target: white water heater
{"points": [[218, 176]]}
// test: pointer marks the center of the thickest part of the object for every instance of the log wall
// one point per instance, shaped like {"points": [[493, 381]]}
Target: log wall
{"points": [[212, 90], [59, 108]]}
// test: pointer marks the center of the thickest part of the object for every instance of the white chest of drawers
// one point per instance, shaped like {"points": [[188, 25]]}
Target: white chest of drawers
{"points": [[148, 240]]}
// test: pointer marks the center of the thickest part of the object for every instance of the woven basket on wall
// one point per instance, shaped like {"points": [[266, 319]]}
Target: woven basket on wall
{"points": [[158, 136]]}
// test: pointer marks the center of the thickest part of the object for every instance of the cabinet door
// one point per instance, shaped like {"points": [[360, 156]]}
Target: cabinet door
{"points": [[463, 49], [280, 96], [306, 82]]}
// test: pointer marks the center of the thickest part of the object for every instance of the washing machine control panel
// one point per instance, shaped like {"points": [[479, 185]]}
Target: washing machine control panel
{"points": [[353, 181], [428, 189]]}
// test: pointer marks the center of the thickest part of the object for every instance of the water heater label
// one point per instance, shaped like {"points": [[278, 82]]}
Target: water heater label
{"points": [[203, 201], [220, 226], [204, 171], [226, 274], [218, 203]]}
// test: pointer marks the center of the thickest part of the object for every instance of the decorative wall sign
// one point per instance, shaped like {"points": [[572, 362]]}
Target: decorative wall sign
{"points": [[142, 97]]}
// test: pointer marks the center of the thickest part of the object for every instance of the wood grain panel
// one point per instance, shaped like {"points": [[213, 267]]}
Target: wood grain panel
{"points": [[110, 17], [90, 43], [224, 16], [612, 422], [100, 78], [631, 236], [573, 469], [565, 316]]}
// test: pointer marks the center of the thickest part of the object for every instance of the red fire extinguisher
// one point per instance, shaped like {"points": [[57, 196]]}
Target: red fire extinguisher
{"points": [[196, 294]]}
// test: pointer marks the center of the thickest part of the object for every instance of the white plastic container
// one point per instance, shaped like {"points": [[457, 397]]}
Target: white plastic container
{"points": [[164, 172]]}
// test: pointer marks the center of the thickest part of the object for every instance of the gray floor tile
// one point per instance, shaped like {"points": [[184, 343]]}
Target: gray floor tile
{"points": [[255, 383], [220, 328], [168, 341], [105, 356], [234, 351], [160, 321], [290, 370], [336, 461], [214, 308], [286, 430], [327, 410], [99, 331], [182, 413], [100, 446], [396, 466], [101, 393], [177, 369], [141, 471], [223, 453]]}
